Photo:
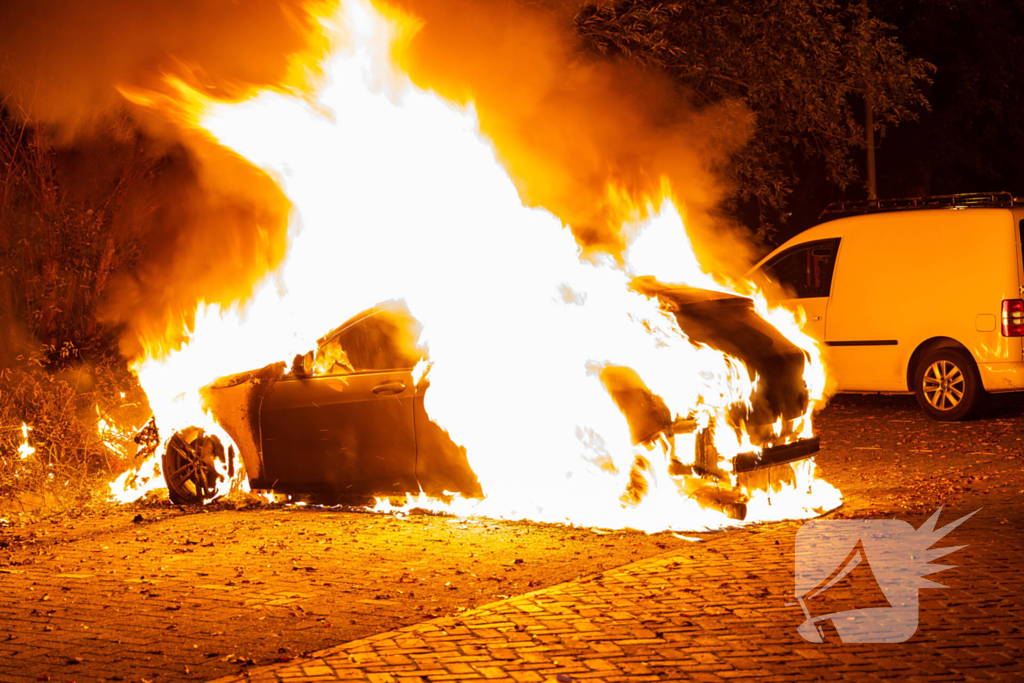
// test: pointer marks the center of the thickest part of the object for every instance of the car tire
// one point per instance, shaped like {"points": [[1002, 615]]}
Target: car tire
{"points": [[189, 466], [947, 384]]}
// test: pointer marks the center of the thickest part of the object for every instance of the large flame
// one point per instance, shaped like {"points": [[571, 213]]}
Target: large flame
{"points": [[396, 194]]}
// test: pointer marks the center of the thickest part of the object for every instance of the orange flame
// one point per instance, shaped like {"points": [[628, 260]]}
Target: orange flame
{"points": [[25, 449], [397, 194]]}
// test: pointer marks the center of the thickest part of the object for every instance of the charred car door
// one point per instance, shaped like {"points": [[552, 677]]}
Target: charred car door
{"points": [[350, 428]]}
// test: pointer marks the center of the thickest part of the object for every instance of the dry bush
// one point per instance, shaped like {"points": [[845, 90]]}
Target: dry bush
{"points": [[72, 218], [71, 457]]}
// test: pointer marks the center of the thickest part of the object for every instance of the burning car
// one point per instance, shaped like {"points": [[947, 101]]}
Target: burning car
{"points": [[348, 419]]}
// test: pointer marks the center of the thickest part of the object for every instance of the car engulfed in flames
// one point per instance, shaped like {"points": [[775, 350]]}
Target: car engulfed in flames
{"points": [[347, 422], [512, 371]]}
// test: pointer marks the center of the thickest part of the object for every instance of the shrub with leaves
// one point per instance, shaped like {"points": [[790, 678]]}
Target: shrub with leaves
{"points": [[72, 217], [64, 433]]}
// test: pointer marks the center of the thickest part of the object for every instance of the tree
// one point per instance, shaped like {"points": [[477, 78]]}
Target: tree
{"points": [[804, 67], [71, 219]]}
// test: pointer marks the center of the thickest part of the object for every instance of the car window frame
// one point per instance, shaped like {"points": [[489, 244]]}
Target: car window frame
{"points": [[337, 334]]}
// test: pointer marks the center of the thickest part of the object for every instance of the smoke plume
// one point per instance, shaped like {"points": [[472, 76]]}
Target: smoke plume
{"points": [[589, 139]]}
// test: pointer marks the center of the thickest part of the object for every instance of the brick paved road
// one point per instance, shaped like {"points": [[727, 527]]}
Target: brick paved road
{"points": [[197, 596], [715, 614]]}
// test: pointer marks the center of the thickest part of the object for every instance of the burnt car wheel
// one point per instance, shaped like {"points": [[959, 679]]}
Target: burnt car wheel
{"points": [[947, 384], [189, 466]]}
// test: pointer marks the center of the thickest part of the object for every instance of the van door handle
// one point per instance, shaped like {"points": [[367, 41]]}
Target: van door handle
{"points": [[815, 318], [388, 388]]}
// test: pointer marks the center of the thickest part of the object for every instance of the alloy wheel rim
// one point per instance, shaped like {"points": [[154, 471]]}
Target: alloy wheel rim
{"points": [[192, 470], [944, 385]]}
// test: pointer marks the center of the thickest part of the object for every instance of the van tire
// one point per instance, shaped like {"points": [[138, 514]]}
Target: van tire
{"points": [[947, 384]]}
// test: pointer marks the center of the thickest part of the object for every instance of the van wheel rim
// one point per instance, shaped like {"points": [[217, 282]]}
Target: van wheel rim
{"points": [[944, 385]]}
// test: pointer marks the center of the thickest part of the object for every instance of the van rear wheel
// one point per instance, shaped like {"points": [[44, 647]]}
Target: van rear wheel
{"points": [[947, 384]]}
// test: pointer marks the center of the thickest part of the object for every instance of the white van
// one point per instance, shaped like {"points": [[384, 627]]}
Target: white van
{"points": [[918, 299]]}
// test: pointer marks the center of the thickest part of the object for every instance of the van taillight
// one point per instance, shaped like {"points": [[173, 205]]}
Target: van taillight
{"points": [[1013, 318]]}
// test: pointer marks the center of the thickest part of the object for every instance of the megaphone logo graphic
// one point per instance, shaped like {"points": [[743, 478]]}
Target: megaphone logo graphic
{"points": [[861, 578]]}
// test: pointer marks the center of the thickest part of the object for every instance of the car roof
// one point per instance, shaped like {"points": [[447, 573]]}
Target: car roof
{"points": [[682, 295]]}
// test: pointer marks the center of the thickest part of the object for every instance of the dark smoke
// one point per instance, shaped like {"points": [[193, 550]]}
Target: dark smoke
{"points": [[63, 59], [213, 223]]}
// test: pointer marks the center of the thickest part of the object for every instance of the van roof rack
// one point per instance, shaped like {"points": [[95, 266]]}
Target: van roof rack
{"points": [[992, 200]]}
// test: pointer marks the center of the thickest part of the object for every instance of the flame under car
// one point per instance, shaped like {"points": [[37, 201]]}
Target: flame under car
{"points": [[347, 421]]}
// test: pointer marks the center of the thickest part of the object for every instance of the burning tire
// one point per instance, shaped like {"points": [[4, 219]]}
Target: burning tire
{"points": [[189, 466]]}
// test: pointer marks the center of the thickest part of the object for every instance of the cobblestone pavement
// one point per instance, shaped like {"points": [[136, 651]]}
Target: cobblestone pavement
{"points": [[182, 597], [715, 615]]}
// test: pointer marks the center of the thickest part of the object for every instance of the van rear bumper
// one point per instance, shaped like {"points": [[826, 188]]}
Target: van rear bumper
{"points": [[1002, 377]]}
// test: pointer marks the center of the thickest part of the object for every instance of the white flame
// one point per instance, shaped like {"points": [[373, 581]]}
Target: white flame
{"points": [[396, 194]]}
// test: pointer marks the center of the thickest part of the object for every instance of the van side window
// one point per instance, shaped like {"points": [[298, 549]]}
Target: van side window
{"points": [[805, 269]]}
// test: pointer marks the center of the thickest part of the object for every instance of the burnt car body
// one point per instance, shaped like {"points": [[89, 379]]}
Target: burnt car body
{"points": [[348, 420]]}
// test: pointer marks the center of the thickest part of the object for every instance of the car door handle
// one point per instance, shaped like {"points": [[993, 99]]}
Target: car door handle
{"points": [[815, 318], [389, 388]]}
